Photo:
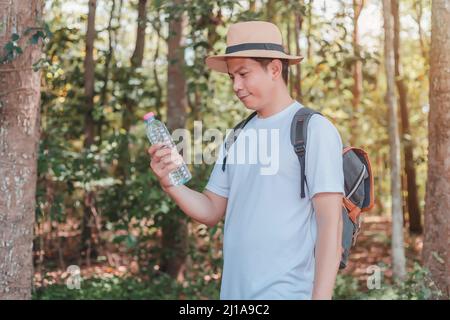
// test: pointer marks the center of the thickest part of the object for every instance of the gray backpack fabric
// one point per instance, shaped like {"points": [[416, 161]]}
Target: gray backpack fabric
{"points": [[358, 179]]}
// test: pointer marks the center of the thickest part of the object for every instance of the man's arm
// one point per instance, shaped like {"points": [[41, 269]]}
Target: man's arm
{"points": [[207, 207], [328, 250]]}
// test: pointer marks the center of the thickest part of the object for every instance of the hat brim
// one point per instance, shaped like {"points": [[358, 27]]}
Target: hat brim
{"points": [[218, 62]]}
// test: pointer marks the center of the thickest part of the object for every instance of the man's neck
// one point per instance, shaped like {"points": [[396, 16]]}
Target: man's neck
{"points": [[275, 106]]}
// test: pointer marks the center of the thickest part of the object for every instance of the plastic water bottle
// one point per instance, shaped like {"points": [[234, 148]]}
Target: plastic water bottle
{"points": [[158, 133]]}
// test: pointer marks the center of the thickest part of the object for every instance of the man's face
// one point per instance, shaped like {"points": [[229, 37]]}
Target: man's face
{"points": [[251, 83]]}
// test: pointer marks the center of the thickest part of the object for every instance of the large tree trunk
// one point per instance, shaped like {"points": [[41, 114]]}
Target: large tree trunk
{"points": [[436, 249], [174, 230], [415, 224], [398, 251], [358, 5], [19, 139], [86, 247]]}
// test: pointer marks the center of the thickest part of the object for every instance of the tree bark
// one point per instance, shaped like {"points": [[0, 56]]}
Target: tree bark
{"points": [[398, 252], [128, 112], [19, 141], [108, 59], [415, 224], [419, 11], [436, 249], [138, 54], [309, 32], [86, 245], [358, 5], [270, 11], [291, 79], [174, 230], [297, 30]]}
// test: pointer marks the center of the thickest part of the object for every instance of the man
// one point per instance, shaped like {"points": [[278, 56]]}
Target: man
{"points": [[277, 245]]}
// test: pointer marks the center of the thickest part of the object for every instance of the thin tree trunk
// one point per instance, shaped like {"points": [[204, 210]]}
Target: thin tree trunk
{"points": [[297, 30], [291, 79], [174, 230], [128, 113], [398, 251], [159, 90], [86, 246], [436, 249], [309, 32], [19, 140], [138, 54], [270, 11], [358, 6], [419, 11], [415, 225], [109, 57]]}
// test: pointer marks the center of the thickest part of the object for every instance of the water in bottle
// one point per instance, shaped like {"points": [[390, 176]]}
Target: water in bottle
{"points": [[158, 133]]}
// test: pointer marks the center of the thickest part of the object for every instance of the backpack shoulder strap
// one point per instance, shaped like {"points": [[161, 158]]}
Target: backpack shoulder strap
{"points": [[232, 137], [299, 130]]}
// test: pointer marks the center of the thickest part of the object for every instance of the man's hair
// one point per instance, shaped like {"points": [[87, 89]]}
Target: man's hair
{"points": [[285, 63]]}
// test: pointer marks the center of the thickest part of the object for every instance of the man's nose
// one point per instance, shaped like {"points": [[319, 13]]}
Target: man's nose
{"points": [[237, 85]]}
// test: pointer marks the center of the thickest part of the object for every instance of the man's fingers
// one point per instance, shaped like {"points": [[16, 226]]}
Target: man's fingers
{"points": [[168, 169], [173, 157], [163, 152], [155, 148]]}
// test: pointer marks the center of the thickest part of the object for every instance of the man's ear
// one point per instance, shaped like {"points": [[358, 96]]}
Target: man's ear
{"points": [[276, 68]]}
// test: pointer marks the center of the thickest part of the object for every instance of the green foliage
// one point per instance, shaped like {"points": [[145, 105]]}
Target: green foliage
{"points": [[417, 286], [156, 286], [12, 48]]}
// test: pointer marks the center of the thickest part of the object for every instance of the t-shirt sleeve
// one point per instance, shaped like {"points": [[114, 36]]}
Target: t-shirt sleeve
{"points": [[218, 181], [324, 170]]}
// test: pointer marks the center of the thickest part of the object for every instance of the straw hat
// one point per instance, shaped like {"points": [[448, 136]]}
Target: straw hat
{"points": [[251, 39]]}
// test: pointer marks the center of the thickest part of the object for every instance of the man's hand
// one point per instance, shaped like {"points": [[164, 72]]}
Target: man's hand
{"points": [[328, 251], [164, 160]]}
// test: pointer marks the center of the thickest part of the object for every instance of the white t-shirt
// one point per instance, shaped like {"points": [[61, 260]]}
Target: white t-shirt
{"points": [[270, 232]]}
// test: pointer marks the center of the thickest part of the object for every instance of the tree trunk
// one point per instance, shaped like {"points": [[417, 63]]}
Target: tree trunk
{"points": [[309, 32], [128, 112], [19, 140], [297, 30], [159, 90], [174, 230], [138, 54], [291, 79], [419, 11], [270, 11], [86, 246], [398, 252], [108, 59], [415, 225], [436, 249], [358, 5]]}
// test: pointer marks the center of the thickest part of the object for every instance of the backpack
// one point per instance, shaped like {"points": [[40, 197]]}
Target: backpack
{"points": [[358, 178]]}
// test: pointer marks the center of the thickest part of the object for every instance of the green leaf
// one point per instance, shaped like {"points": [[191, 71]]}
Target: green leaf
{"points": [[9, 46], [15, 37], [34, 39]]}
